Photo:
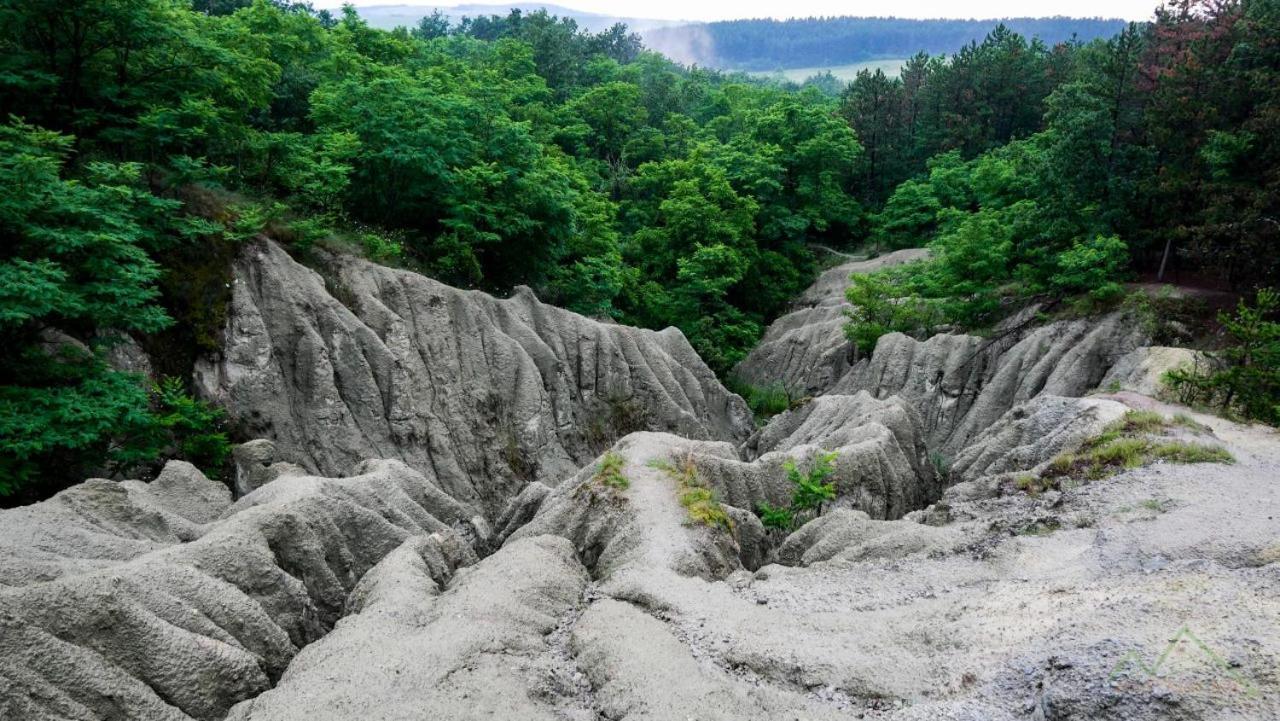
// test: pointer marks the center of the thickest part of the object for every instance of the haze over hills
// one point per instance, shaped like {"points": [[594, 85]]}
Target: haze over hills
{"points": [[833, 41], [765, 44], [392, 16]]}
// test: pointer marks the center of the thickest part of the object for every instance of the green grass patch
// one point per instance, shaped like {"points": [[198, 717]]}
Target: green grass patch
{"points": [[1181, 452], [1183, 420], [699, 500], [609, 472], [1140, 422], [1039, 528], [1132, 441], [768, 401]]}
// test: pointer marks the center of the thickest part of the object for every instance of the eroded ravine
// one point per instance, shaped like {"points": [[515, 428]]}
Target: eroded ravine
{"points": [[485, 571]]}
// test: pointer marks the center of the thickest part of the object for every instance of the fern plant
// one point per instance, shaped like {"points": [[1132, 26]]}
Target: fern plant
{"points": [[812, 490]]}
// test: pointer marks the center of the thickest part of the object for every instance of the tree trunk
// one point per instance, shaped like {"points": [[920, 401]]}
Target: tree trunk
{"points": [[1164, 261]]}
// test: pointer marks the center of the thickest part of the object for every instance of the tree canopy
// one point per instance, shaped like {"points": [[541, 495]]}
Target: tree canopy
{"points": [[145, 140]]}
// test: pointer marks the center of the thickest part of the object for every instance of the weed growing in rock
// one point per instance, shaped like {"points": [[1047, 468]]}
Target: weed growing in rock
{"points": [[609, 471], [1033, 485], [698, 499], [1136, 439], [1039, 528], [1154, 505], [703, 508], [779, 517], [940, 464], [811, 491], [768, 401]]}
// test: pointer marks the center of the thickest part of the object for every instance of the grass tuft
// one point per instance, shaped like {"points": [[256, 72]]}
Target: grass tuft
{"points": [[1134, 440], [767, 401], [698, 499], [609, 471]]}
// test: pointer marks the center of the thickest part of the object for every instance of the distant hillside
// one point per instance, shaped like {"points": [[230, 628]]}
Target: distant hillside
{"points": [[392, 16], [825, 42]]}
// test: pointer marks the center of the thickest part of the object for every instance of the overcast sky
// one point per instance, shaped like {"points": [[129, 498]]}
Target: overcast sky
{"points": [[676, 9]]}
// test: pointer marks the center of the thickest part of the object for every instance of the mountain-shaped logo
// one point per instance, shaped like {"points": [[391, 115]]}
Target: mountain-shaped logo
{"points": [[1185, 646]]}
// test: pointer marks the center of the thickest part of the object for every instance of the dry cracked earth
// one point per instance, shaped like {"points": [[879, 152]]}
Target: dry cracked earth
{"points": [[470, 508]]}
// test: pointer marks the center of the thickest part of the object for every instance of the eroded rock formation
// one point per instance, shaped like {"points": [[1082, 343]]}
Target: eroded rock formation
{"points": [[166, 600], [961, 385], [483, 395], [431, 528]]}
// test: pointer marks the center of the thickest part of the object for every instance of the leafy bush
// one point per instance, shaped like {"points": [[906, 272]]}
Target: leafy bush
{"points": [[187, 428], [764, 401], [104, 422], [381, 248], [778, 517], [1002, 231], [810, 492], [880, 305], [76, 263], [1247, 379]]}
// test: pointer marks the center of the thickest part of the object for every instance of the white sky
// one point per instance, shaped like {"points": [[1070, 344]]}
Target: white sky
{"points": [[677, 10]]}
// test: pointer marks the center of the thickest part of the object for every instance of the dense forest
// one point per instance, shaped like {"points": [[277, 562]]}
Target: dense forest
{"points": [[828, 41], [146, 140], [1061, 169]]}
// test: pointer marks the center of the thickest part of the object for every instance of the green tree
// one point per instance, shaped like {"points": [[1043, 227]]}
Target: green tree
{"points": [[75, 274], [1246, 379]]}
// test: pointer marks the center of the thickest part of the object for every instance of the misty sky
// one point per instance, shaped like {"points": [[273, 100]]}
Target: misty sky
{"points": [[675, 9]]}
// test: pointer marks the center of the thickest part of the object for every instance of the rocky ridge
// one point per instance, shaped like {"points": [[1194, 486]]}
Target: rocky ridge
{"points": [[481, 394]]}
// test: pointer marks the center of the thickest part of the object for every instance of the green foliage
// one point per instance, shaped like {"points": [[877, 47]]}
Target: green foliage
{"points": [[609, 471], [879, 304], [76, 251], [102, 421], [810, 491], [704, 509], [1246, 378], [380, 248], [776, 517], [179, 426], [520, 149], [1001, 231], [77, 261], [764, 402]]}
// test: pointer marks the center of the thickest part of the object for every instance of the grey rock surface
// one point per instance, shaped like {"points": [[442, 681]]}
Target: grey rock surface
{"points": [[412, 650], [483, 395], [257, 464], [356, 597], [961, 385], [882, 467], [1142, 370], [805, 351], [161, 600], [483, 568], [1034, 432]]}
